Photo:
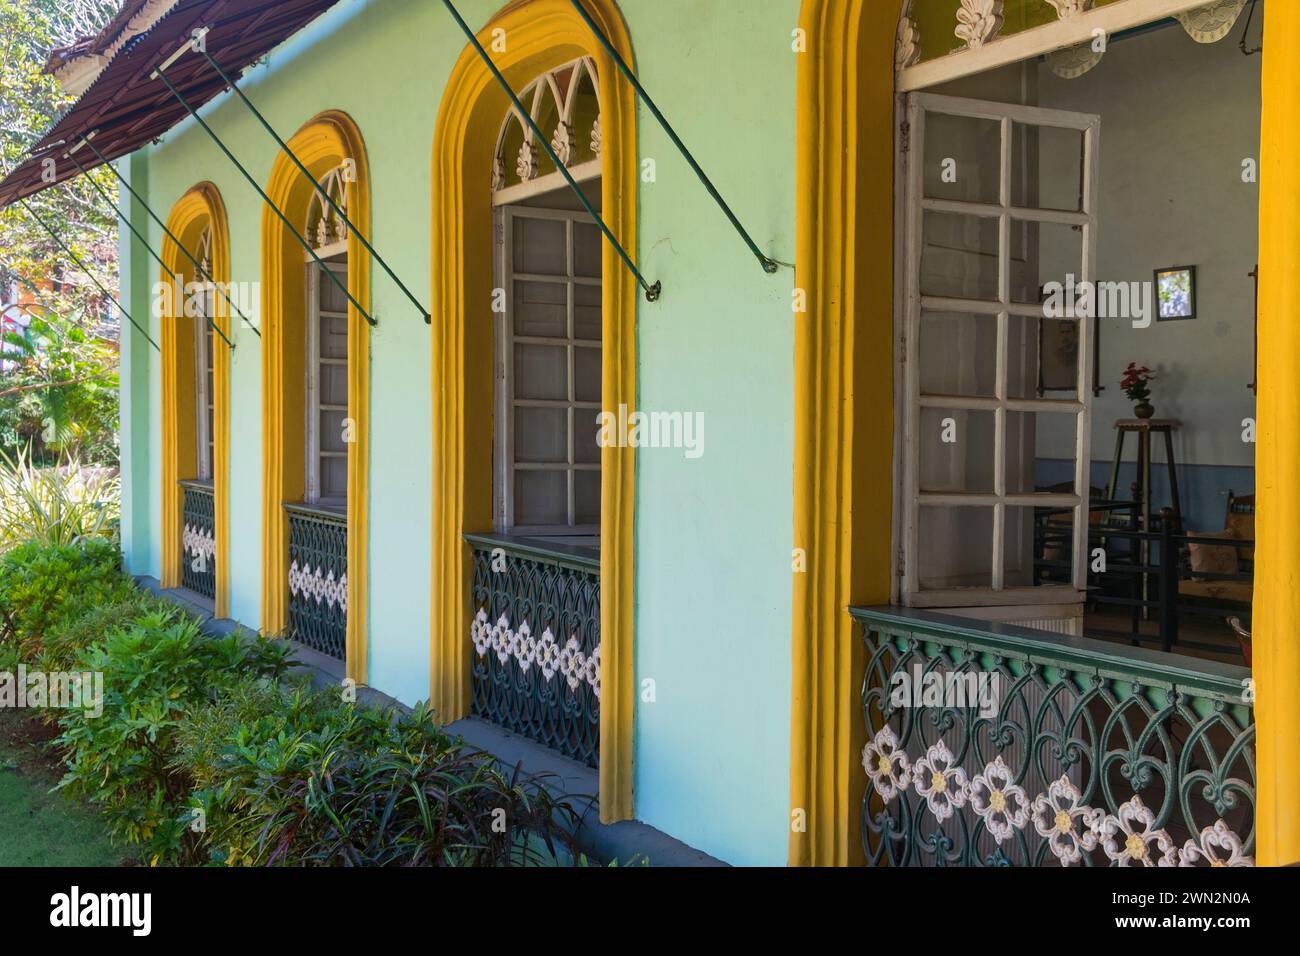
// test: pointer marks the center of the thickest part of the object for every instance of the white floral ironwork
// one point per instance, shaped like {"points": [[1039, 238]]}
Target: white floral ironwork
{"points": [[199, 542], [560, 90], [1127, 836], [1212, 22], [944, 786], [1060, 816], [1217, 846], [307, 581], [978, 21], [886, 765], [1001, 804], [1070, 827], [545, 653]]}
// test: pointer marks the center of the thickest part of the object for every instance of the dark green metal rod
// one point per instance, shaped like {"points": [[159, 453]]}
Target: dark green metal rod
{"points": [[82, 266], [769, 266], [265, 198], [652, 292], [144, 242], [428, 319], [171, 235]]}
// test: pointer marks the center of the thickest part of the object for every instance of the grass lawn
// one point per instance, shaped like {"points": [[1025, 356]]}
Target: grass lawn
{"points": [[39, 828]]}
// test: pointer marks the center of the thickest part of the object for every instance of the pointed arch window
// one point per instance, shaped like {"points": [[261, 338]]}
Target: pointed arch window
{"points": [[326, 477], [565, 101], [548, 387], [205, 402]]}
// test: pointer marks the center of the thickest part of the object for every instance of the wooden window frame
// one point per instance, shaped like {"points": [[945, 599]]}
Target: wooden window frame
{"points": [[315, 454], [1005, 211], [504, 465]]}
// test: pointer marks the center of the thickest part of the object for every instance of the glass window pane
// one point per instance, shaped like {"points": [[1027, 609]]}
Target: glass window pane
{"points": [[586, 250], [333, 337], [586, 448], [586, 374], [541, 434], [331, 431], [959, 256], [958, 354], [334, 477], [332, 298], [956, 546], [1047, 167], [962, 158], [540, 246], [586, 312], [541, 371], [541, 309], [1042, 357], [1037, 445], [541, 498], [1038, 546], [1043, 253], [333, 384], [956, 448], [586, 485]]}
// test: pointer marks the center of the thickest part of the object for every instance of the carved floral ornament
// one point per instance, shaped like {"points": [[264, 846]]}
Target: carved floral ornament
{"points": [[568, 97], [979, 22], [325, 226]]}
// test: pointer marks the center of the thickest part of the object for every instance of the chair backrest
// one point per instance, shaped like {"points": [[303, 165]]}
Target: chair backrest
{"points": [[1240, 521]]}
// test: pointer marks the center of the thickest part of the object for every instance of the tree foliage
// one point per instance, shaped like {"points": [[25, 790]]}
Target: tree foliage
{"points": [[58, 387]]}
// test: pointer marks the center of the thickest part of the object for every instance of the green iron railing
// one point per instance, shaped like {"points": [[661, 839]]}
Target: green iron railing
{"points": [[318, 579], [198, 539], [1075, 751], [536, 632]]}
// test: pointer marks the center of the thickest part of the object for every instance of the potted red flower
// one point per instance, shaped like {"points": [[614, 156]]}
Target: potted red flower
{"points": [[1136, 385]]}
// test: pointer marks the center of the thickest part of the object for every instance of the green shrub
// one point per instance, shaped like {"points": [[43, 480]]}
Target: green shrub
{"points": [[155, 672], [43, 586], [80, 626], [298, 777]]}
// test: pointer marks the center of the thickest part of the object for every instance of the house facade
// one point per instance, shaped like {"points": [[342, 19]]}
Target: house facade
{"points": [[478, 394]]}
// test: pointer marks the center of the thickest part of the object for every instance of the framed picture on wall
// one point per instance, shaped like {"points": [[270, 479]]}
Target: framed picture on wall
{"points": [[1176, 293], [1058, 355]]}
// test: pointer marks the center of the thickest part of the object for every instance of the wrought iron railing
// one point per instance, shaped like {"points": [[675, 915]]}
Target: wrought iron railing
{"points": [[198, 539], [536, 632], [1076, 751], [318, 579]]}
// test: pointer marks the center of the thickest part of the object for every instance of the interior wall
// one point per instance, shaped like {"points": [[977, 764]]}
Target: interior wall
{"points": [[1178, 120]]}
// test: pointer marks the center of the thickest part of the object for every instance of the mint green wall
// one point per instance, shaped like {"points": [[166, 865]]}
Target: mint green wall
{"points": [[713, 534], [713, 572]]}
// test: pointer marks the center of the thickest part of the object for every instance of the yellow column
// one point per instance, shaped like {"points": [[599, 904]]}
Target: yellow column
{"points": [[1277, 565]]}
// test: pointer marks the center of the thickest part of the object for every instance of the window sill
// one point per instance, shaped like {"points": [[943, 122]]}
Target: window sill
{"points": [[334, 512], [543, 548]]}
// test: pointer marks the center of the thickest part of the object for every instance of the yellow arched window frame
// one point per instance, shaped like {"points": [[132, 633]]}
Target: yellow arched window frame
{"points": [[323, 144], [542, 35], [199, 210]]}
